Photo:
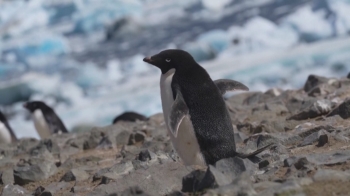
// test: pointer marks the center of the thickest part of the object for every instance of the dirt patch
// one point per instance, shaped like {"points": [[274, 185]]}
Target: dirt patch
{"points": [[328, 188]]}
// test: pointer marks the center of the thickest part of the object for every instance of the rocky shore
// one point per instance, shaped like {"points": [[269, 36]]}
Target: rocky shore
{"points": [[309, 129]]}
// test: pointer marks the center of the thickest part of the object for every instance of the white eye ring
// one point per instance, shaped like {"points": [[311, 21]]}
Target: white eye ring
{"points": [[168, 60]]}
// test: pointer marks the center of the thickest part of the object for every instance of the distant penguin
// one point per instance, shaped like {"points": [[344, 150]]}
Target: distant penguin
{"points": [[45, 119], [194, 110], [130, 117], [6, 133]]}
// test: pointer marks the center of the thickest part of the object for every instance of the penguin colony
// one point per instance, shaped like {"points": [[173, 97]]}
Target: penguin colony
{"points": [[194, 110]]}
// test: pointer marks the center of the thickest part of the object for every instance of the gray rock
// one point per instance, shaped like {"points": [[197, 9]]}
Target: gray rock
{"points": [[7, 177], [55, 187], [343, 110], [329, 158], [105, 143], [290, 187], [38, 168], [309, 140], [123, 138], [331, 175], [318, 108], [46, 144], [115, 172], [156, 180], [314, 81], [240, 137], [94, 139], [14, 190], [233, 167], [242, 185], [348, 75], [75, 175], [24, 145]]}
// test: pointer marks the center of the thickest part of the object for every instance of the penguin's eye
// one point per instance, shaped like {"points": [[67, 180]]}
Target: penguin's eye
{"points": [[168, 60]]}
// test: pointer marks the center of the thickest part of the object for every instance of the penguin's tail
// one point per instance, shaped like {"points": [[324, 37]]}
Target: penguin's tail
{"points": [[244, 156]]}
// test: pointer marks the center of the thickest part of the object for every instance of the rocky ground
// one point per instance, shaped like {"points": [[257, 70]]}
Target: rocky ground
{"points": [[309, 129]]}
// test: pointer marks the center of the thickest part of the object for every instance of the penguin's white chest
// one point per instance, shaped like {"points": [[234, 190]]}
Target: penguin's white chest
{"points": [[40, 124], [185, 144], [5, 136]]}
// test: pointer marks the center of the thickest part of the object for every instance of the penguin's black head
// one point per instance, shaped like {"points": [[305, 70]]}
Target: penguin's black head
{"points": [[34, 105], [169, 59]]}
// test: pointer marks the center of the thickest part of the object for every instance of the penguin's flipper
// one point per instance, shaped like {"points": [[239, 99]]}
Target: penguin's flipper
{"points": [[225, 85], [54, 122], [178, 112]]}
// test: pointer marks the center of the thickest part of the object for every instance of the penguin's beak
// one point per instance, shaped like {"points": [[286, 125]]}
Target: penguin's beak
{"points": [[25, 105], [147, 60]]}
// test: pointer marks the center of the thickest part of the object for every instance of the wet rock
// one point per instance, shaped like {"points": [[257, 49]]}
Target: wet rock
{"points": [[343, 110], [263, 164], [318, 108], [40, 191], [314, 81], [199, 180], [301, 163], [191, 182], [138, 137], [14, 190], [146, 155], [290, 161], [322, 140], [330, 175], [75, 175]]}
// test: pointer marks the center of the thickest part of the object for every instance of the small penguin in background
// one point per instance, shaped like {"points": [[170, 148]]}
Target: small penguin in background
{"points": [[195, 112], [129, 117], [6, 133], [45, 119]]}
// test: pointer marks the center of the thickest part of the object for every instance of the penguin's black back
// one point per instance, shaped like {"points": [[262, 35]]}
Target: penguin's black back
{"points": [[52, 119], [5, 122], [208, 112]]}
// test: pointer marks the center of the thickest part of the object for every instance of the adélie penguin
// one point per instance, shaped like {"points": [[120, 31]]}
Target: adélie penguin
{"points": [[194, 110], [45, 119], [6, 133]]}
